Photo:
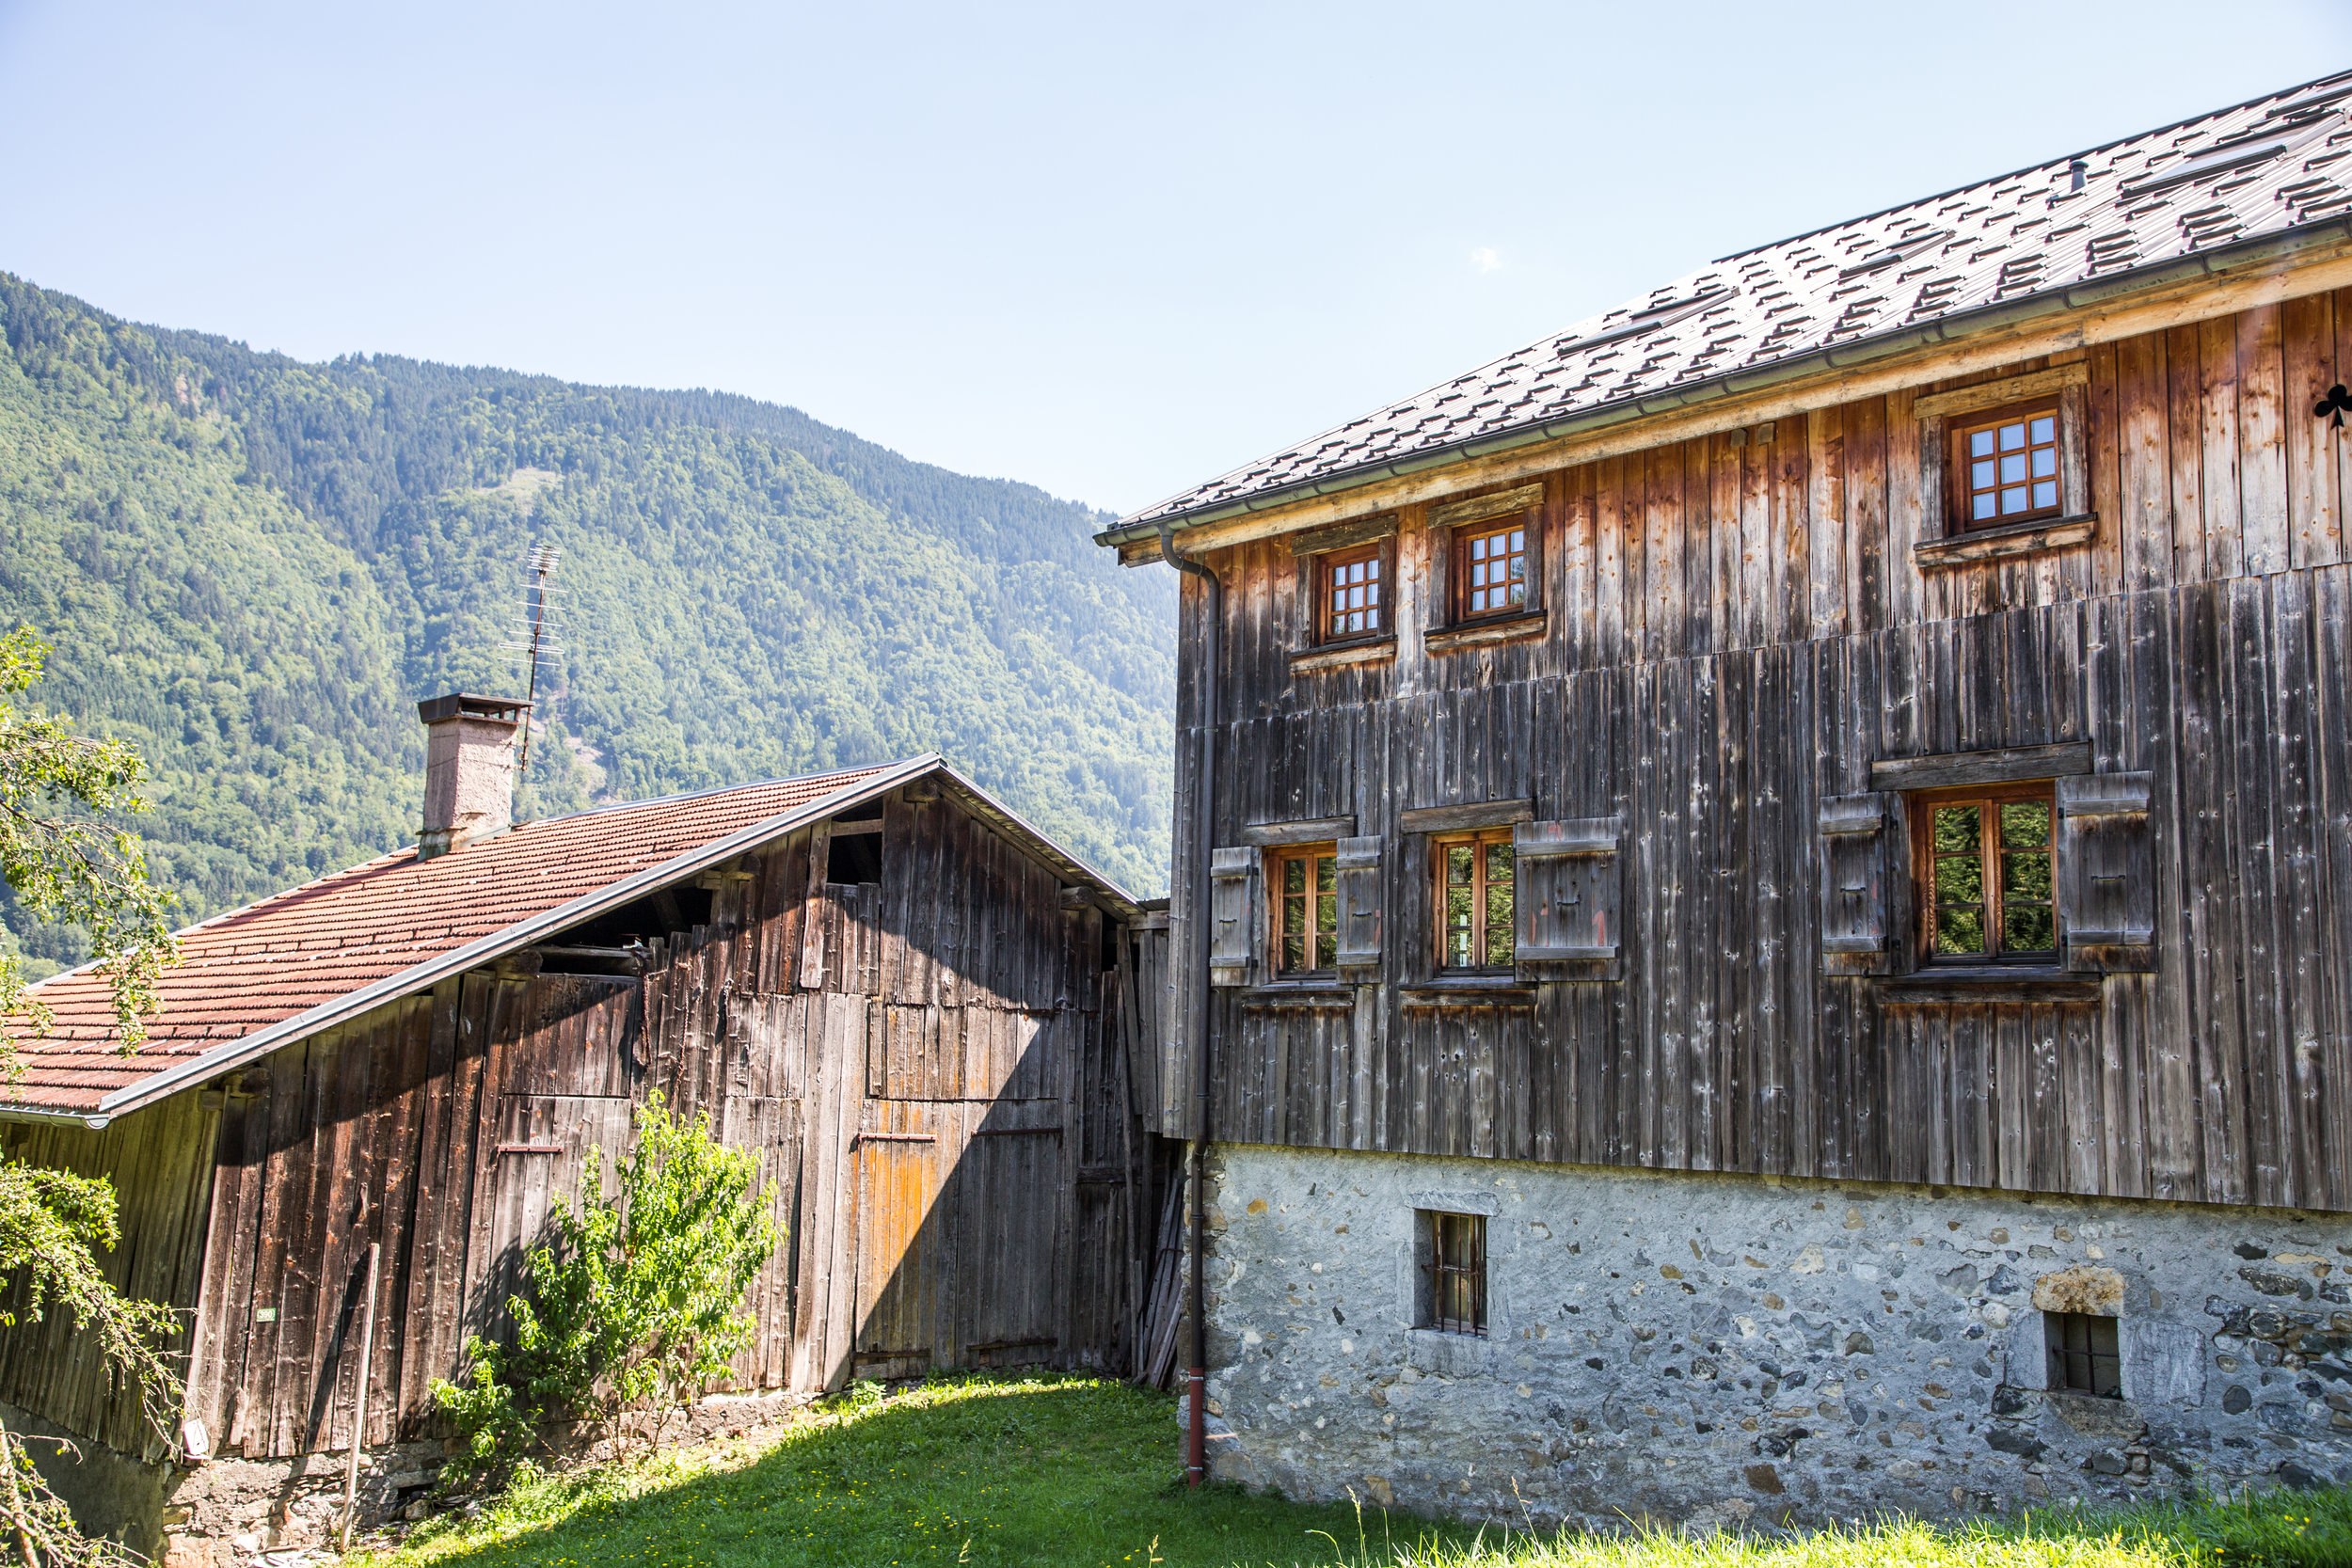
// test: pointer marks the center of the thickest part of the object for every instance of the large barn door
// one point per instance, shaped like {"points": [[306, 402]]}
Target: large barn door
{"points": [[563, 1075], [1010, 1202], [902, 1248]]}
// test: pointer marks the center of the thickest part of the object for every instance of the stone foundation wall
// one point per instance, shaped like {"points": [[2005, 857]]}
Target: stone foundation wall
{"points": [[1735, 1351], [224, 1513]]}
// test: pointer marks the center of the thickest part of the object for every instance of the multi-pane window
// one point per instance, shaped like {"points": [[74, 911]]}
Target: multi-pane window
{"points": [[2009, 467], [1493, 569], [1475, 887], [1306, 908], [1986, 869], [1458, 1274], [2085, 1357], [1352, 595]]}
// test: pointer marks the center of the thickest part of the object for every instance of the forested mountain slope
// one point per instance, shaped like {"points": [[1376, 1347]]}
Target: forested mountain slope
{"points": [[252, 567]]}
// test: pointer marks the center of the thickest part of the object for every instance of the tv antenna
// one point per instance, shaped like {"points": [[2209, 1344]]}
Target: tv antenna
{"points": [[537, 625]]}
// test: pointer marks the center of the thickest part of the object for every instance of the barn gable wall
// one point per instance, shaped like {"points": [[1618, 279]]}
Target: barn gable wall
{"points": [[924, 1060]]}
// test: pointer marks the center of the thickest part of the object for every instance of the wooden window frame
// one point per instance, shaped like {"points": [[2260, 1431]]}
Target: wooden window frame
{"points": [[1947, 535], [1319, 573], [1459, 565], [1456, 1275], [1481, 935], [1959, 494], [1922, 808], [1320, 942]]}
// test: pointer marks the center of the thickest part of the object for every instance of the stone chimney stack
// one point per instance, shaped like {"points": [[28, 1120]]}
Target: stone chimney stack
{"points": [[468, 769]]}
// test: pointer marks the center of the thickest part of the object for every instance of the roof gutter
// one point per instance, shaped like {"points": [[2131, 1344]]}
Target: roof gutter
{"points": [[220, 1058], [1861, 351]]}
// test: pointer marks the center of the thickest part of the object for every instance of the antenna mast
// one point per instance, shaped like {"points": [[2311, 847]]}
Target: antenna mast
{"points": [[538, 625]]}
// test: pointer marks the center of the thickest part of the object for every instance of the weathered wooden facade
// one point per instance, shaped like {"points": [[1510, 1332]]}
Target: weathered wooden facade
{"points": [[911, 1006], [1760, 649], [1731, 632]]}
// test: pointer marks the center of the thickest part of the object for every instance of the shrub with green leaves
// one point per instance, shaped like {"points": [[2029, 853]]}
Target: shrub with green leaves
{"points": [[631, 1302]]}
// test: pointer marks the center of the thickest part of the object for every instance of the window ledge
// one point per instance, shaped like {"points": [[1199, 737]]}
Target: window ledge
{"points": [[1335, 655], [1984, 983], [1479, 634], [2006, 542]]}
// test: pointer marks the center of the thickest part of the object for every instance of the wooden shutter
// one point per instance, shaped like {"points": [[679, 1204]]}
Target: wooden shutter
{"points": [[1566, 893], [2107, 885], [1861, 884], [1232, 916], [1360, 902]]}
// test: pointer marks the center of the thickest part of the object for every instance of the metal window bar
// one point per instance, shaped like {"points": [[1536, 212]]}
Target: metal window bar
{"points": [[2085, 1357], [1458, 1274]]}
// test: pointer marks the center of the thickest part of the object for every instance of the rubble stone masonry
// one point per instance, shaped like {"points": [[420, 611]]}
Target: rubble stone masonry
{"points": [[1741, 1351]]}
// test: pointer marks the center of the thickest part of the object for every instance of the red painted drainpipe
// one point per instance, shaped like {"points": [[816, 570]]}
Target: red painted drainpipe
{"points": [[1196, 1381]]}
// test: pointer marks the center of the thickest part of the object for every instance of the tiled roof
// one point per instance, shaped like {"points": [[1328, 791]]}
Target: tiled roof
{"points": [[2242, 174], [269, 962]]}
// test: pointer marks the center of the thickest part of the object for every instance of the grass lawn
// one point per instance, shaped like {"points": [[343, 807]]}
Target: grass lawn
{"points": [[1054, 1472]]}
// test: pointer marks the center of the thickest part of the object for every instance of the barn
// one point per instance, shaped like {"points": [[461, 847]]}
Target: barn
{"points": [[1763, 887], [915, 1007]]}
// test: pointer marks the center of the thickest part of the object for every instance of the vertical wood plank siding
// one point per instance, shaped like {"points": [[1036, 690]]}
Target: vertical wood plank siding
{"points": [[956, 999], [1739, 630]]}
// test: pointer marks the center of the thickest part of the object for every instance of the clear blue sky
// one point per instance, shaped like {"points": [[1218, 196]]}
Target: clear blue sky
{"points": [[1111, 250]]}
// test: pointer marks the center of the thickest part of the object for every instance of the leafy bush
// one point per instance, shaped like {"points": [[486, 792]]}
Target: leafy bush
{"points": [[633, 1301]]}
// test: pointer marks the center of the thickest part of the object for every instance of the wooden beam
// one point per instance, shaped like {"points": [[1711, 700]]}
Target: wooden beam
{"points": [[1453, 819], [1266, 835], [1954, 770], [1992, 394]]}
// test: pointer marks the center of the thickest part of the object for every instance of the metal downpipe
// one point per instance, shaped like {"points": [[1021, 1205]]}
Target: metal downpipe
{"points": [[1197, 1377]]}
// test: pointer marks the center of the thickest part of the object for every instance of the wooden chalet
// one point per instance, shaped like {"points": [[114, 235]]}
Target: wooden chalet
{"points": [[912, 1004], [1862, 727]]}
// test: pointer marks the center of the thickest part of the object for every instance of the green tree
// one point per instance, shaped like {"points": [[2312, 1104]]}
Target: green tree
{"points": [[634, 1301], [63, 864]]}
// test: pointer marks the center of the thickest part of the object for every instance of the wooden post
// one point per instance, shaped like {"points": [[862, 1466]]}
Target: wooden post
{"points": [[359, 1398]]}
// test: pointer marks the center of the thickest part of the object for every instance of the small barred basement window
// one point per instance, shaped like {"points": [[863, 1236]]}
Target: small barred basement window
{"points": [[2084, 1356], [1458, 1274]]}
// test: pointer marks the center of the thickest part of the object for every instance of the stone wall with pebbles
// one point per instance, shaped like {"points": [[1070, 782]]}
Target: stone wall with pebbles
{"points": [[1735, 1351]]}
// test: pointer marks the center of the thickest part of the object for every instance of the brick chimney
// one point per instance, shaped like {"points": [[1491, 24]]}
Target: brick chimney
{"points": [[468, 769]]}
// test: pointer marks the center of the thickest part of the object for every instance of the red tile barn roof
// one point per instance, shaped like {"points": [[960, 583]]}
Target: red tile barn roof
{"points": [[393, 925], [2168, 202]]}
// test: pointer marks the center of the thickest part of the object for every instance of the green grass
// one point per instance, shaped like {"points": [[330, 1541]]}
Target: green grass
{"points": [[1065, 1472]]}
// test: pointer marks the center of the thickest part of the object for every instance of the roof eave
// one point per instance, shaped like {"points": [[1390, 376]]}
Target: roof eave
{"points": [[1730, 384]]}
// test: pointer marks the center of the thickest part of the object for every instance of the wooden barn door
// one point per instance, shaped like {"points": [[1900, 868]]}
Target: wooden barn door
{"points": [[562, 1077], [902, 1248], [1012, 1203]]}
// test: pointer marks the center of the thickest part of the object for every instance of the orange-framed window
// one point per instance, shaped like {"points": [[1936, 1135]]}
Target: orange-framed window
{"points": [[2004, 466], [1305, 907], [1986, 858], [1491, 569], [1353, 593], [1476, 892]]}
